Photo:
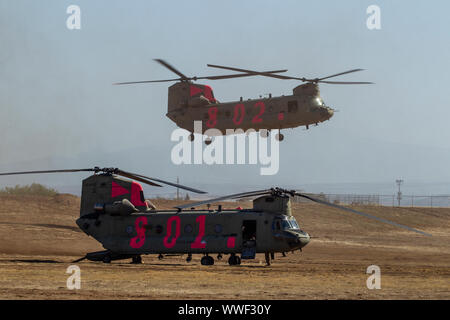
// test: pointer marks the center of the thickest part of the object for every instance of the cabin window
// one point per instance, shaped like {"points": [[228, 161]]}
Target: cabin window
{"points": [[188, 228], [218, 228], [292, 106]]}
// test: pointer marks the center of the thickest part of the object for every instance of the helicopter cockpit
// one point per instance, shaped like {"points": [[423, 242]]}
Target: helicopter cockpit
{"points": [[285, 223]]}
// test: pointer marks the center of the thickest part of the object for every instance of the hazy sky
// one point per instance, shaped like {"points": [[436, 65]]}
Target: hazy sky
{"points": [[60, 109]]}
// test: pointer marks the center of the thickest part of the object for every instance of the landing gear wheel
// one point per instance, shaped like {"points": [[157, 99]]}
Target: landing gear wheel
{"points": [[160, 257], [219, 256], [189, 258], [136, 260], [208, 141], [267, 256], [107, 258], [234, 260], [207, 261], [191, 137], [264, 133], [279, 137]]}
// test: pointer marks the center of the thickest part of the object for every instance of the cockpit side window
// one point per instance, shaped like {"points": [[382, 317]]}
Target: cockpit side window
{"points": [[286, 224]]}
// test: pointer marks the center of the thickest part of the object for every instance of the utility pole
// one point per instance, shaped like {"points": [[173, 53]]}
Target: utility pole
{"points": [[399, 193], [178, 190]]}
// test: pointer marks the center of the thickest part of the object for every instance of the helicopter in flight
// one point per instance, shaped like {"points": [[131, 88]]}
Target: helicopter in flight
{"points": [[190, 102], [114, 212]]}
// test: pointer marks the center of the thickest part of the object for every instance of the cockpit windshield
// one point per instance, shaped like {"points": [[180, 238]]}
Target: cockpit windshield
{"points": [[319, 102], [285, 224]]}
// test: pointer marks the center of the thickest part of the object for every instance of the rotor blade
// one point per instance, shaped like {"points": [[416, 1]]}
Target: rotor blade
{"points": [[231, 196], [149, 81], [341, 73], [361, 213], [148, 181], [171, 68], [47, 171], [81, 259], [294, 78], [345, 82], [135, 177], [254, 72], [237, 75], [198, 78]]}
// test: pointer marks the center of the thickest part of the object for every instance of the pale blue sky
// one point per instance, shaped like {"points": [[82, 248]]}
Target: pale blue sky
{"points": [[58, 106]]}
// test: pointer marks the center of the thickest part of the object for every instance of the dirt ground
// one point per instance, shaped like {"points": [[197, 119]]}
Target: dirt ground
{"points": [[39, 239]]}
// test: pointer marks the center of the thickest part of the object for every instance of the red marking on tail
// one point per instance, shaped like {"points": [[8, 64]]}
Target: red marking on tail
{"points": [[118, 190], [137, 195], [205, 90], [195, 90]]}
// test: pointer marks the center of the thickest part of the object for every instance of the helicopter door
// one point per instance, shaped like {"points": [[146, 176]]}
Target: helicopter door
{"points": [[248, 239]]}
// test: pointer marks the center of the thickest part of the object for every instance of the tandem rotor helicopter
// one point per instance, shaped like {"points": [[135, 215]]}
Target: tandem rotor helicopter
{"points": [[114, 212], [189, 102]]}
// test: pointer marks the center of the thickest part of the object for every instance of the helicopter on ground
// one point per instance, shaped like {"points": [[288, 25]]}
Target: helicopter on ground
{"points": [[114, 212], [189, 102]]}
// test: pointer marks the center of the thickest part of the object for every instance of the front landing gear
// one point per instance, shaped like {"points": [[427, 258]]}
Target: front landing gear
{"points": [[267, 258], [207, 261], [234, 260], [264, 133], [279, 137]]}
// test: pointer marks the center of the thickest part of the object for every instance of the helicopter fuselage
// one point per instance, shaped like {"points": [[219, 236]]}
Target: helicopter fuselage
{"points": [[303, 108], [195, 231]]}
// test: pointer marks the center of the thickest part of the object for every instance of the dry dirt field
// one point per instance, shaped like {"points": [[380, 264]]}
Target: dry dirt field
{"points": [[39, 239]]}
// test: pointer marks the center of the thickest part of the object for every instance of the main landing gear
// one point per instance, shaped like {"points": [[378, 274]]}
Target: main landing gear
{"points": [[208, 140], [264, 133], [136, 260], [234, 260], [207, 261]]}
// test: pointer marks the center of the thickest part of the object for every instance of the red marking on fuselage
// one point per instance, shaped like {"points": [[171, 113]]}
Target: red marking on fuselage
{"points": [[281, 116], [231, 242], [198, 243], [172, 242], [139, 240]]}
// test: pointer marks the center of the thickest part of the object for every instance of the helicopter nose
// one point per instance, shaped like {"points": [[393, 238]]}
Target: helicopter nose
{"points": [[304, 239], [326, 113], [329, 112]]}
